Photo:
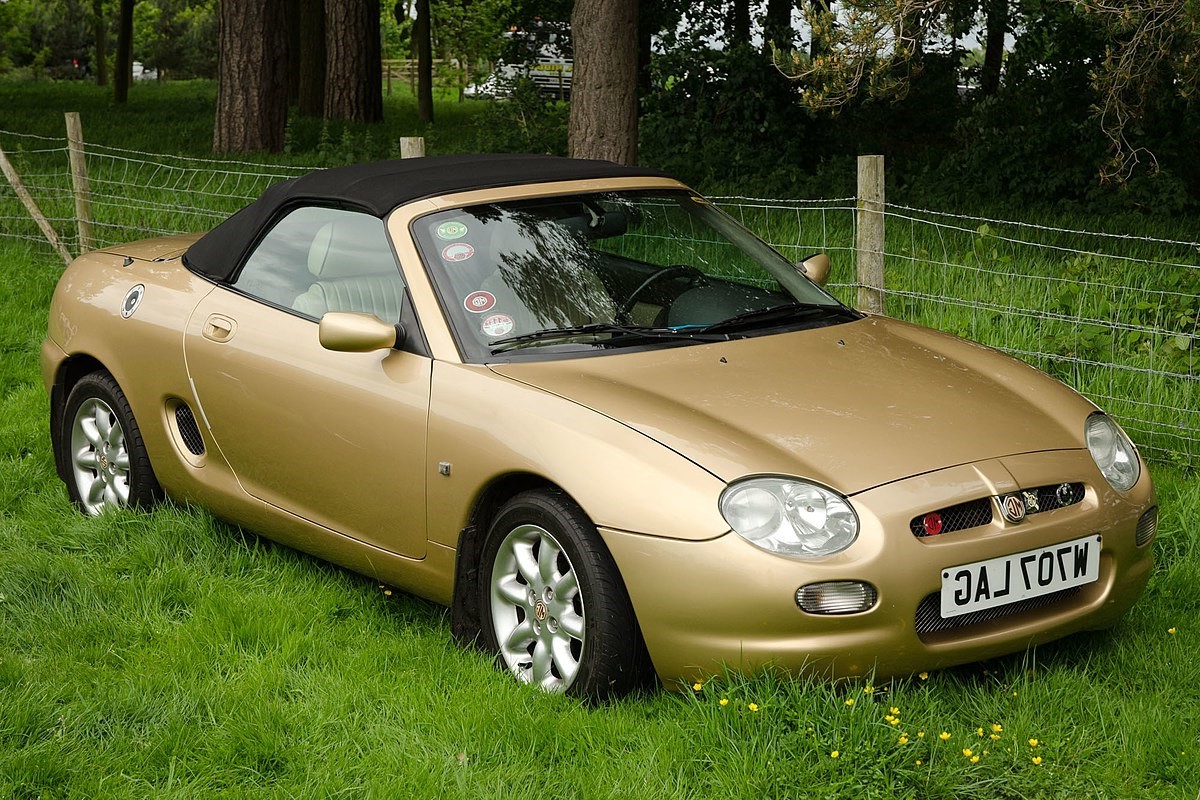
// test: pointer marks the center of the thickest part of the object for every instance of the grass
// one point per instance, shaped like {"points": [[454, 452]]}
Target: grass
{"points": [[167, 654]]}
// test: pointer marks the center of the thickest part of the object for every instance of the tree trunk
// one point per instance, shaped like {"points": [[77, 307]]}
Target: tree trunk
{"points": [[738, 30], [423, 34], [604, 109], [311, 78], [777, 25], [993, 51], [251, 76], [353, 68], [101, 32], [124, 66]]}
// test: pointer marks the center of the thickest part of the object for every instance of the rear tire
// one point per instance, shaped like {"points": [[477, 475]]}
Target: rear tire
{"points": [[553, 607], [106, 462]]}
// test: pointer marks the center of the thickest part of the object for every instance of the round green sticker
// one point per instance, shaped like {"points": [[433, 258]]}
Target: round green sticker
{"points": [[451, 230]]}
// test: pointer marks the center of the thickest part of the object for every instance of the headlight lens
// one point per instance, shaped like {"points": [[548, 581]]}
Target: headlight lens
{"points": [[790, 517], [1113, 452]]}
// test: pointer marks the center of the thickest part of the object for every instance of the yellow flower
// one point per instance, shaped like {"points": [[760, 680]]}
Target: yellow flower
{"points": [[967, 752], [893, 711], [974, 759], [944, 735], [724, 701], [923, 676], [850, 701], [920, 734], [979, 732], [868, 689], [1036, 759], [1033, 742], [697, 686], [892, 720], [753, 706], [387, 592], [918, 762], [994, 737], [903, 738], [834, 754], [1171, 631], [997, 728]]}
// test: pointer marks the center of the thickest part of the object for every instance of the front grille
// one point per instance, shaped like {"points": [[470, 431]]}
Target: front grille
{"points": [[1147, 526], [975, 513], [929, 613], [1048, 498], [971, 514], [188, 430]]}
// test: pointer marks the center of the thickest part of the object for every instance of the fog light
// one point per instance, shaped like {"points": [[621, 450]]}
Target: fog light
{"points": [[1147, 526], [836, 597]]}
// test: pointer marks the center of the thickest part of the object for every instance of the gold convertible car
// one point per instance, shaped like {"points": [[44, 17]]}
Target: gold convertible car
{"points": [[605, 424]]}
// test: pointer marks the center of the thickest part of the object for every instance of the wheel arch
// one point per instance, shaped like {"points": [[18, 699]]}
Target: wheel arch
{"points": [[69, 372], [464, 608]]}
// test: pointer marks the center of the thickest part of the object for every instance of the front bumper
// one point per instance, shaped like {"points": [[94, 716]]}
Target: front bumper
{"points": [[724, 604]]}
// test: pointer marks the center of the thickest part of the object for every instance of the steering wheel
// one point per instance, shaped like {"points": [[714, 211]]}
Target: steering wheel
{"points": [[675, 270]]}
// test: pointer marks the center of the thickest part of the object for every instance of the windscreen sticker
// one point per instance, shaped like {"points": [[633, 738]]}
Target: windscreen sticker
{"points": [[133, 299], [451, 230], [479, 302], [497, 325], [459, 251]]}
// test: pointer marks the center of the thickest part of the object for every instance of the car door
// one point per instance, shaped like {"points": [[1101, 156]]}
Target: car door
{"points": [[336, 438]]}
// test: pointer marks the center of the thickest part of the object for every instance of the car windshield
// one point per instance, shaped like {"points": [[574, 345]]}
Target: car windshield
{"points": [[610, 270]]}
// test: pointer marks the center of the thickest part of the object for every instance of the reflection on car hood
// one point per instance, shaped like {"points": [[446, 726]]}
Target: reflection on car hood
{"points": [[853, 406]]}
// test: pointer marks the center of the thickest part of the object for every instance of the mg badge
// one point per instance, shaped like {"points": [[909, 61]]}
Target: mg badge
{"points": [[1013, 507]]}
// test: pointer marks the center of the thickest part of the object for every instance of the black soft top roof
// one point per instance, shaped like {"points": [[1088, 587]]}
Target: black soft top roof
{"points": [[377, 188]]}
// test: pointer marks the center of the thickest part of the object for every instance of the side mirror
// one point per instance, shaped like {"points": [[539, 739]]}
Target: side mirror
{"points": [[355, 332], [816, 268]]}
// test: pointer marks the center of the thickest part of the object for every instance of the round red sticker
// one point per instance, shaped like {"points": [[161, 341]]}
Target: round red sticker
{"points": [[479, 302], [459, 251], [497, 325]]}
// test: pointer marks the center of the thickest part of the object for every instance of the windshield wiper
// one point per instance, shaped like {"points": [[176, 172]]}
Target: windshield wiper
{"points": [[623, 334], [787, 313]]}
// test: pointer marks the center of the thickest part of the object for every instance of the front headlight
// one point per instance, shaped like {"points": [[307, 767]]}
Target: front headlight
{"points": [[1113, 452], [790, 517]]}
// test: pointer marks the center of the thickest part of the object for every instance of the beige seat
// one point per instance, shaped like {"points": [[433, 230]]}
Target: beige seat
{"points": [[354, 270]]}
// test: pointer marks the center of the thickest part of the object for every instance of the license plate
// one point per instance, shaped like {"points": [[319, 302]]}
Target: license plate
{"points": [[1009, 579]]}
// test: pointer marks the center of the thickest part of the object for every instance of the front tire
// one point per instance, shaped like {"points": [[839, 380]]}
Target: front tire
{"points": [[554, 608], [107, 464]]}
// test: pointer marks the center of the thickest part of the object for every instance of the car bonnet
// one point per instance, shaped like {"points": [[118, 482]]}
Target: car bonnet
{"points": [[853, 406]]}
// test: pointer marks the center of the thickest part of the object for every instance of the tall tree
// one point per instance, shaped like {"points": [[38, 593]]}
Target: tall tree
{"points": [[777, 26], [251, 76], [100, 31], [738, 23], [995, 28], [310, 79], [423, 36], [603, 122], [353, 72], [124, 66]]}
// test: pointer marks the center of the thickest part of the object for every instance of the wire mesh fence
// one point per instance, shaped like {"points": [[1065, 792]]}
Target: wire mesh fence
{"points": [[1115, 316]]}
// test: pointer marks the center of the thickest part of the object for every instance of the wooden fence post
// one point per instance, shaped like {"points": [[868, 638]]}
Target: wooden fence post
{"points": [[870, 244], [412, 146], [79, 181], [27, 200]]}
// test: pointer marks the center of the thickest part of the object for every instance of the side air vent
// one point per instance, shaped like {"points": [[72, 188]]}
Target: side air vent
{"points": [[188, 430], [1147, 526]]}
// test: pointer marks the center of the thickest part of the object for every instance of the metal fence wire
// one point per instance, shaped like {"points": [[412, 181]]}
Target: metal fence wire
{"points": [[1117, 317]]}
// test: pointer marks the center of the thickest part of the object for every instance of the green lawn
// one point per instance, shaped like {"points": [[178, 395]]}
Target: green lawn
{"points": [[167, 654]]}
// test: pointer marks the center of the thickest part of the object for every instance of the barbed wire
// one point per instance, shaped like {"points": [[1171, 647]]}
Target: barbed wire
{"points": [[1123, 327]]}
